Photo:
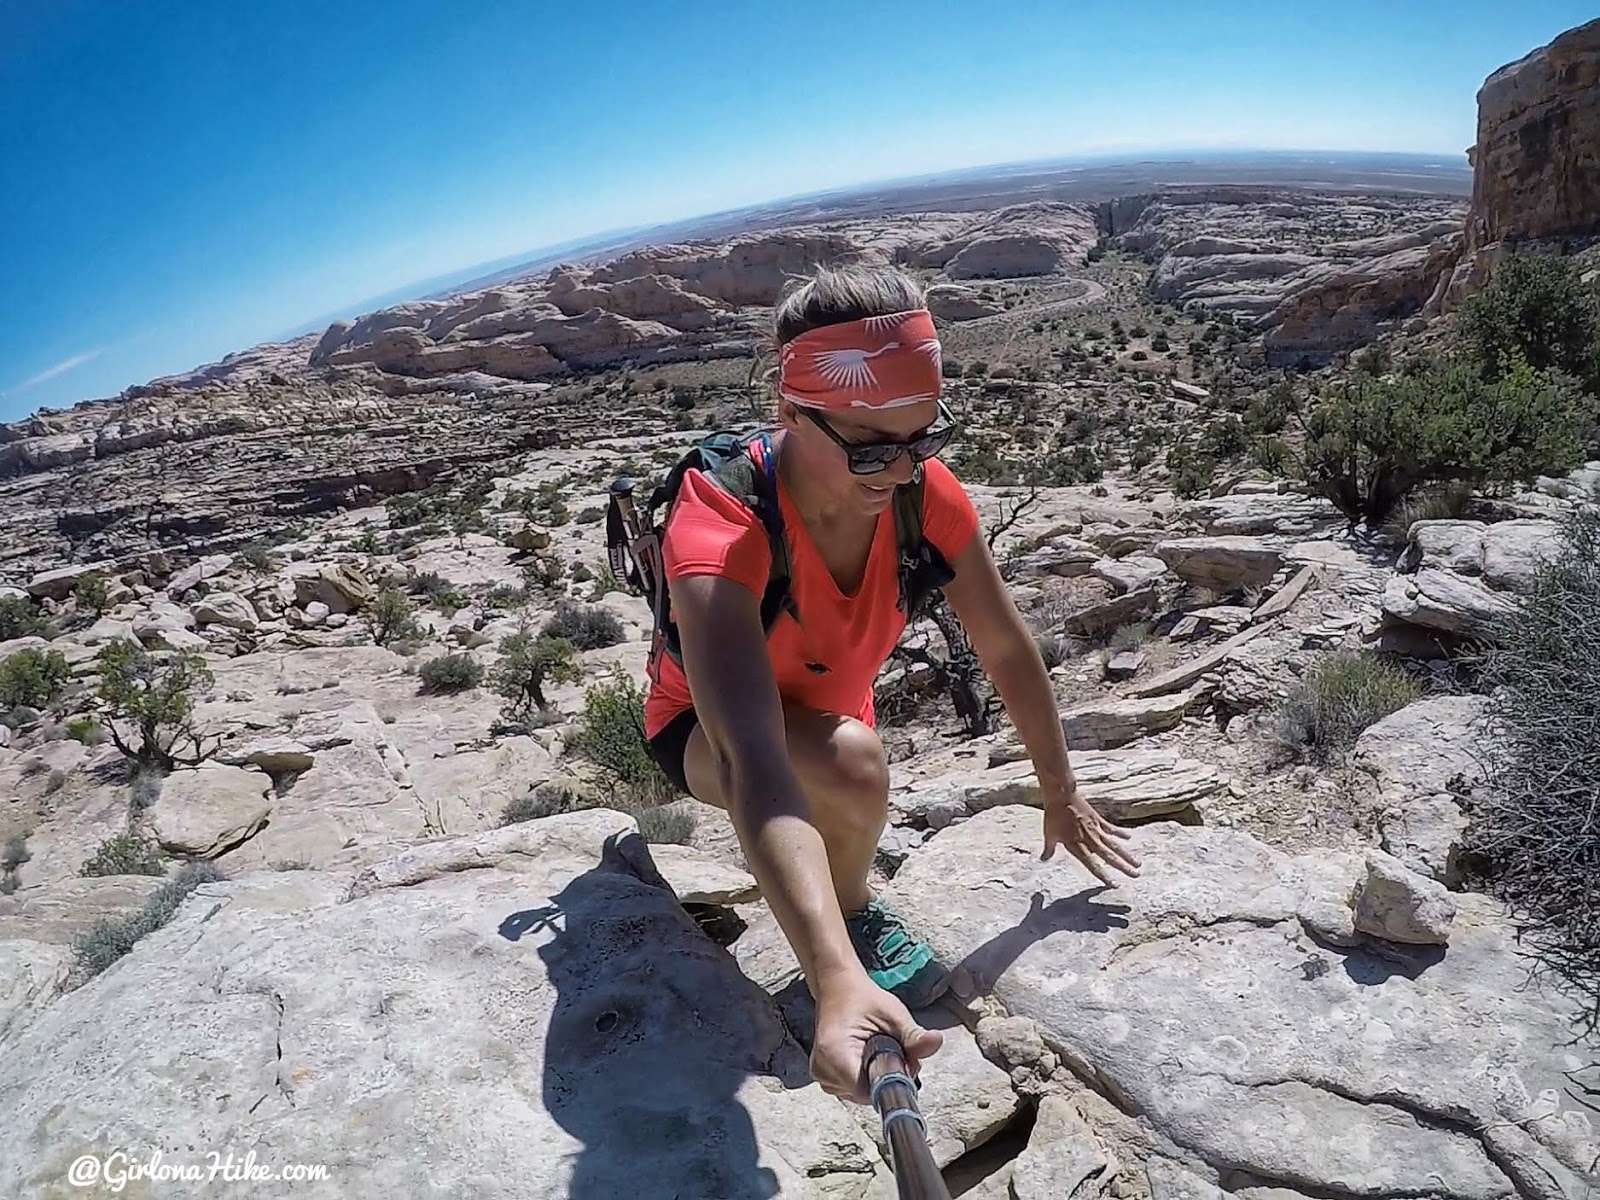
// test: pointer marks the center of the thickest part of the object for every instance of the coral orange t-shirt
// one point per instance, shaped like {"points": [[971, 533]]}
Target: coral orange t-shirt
{"points": [[710, 532]]}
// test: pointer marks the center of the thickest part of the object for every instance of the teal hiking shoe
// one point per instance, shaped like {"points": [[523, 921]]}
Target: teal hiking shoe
{"points": [[895, 960]]}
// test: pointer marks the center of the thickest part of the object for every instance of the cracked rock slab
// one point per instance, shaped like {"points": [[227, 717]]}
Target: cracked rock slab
{"points": [[1196, 999], [1122, 784], [491, 1016]]}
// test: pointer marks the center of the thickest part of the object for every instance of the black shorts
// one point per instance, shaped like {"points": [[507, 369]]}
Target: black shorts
{"points": [[668, 746]]}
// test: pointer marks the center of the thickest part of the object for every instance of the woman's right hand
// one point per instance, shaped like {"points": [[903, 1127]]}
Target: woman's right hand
{"points": [[850, 1009]]}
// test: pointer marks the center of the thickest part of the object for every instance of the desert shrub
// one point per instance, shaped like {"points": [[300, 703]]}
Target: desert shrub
{"points": [[20, 618], [1447, 501], [1536, 310], [1050, 650], [977, 369], [393, 619], [539, 803], [85, 730], [440, 592], [543, 572], [525, 665], [667, 824], [11, 860], [1272, 455], [1224, 438], [146, 703], [1372, 442], [610, 734], [587, 627], [1533, 823], [106, 941], [1326, 711], [1268, 413], [15, 853], [125, 854], [32, 677], [1189, 471], [90, 595], [1129, 637], [450, 673]]}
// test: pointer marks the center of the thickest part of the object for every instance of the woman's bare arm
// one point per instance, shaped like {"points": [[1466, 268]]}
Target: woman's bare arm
{"points": [[736, 700], [1001, 640]]}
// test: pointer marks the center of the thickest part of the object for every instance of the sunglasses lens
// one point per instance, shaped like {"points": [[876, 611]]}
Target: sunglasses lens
{"points": [[868, 460], [929, 444]]}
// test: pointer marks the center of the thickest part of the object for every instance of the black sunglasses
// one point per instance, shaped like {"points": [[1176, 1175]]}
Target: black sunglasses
{"points": [[868, 458]]}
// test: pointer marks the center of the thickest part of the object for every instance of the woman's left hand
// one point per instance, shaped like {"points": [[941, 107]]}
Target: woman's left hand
{"points": [[1071, 821]]}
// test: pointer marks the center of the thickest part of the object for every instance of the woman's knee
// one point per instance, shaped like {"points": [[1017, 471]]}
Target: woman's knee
{"points": [[852, 765]]}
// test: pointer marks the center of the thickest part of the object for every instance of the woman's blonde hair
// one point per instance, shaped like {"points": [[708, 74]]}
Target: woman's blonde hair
{"points": [[834, 295]]}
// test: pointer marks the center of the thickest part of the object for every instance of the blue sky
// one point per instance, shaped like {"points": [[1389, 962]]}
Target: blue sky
{"points": [[178, 180]]}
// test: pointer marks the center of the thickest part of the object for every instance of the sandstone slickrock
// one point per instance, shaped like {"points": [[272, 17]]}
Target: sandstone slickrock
{"points": [[1319, 274], [208, 810], [1423, 747], [1416, 756], [1123, 784], [57, 584], [1130, 574], [37, 928], [1536, 164], [1399, 905], [1445, 601], [1107, 616], [700, 878], [1107, 724], [1064, 1160], [340, 586], [490, 1015], [1258, 513], [1195, 998], [225, 608], [1224, 563], [1426, 833]]}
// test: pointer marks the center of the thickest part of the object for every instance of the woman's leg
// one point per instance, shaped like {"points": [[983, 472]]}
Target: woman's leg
{"points": [[845, 776]]}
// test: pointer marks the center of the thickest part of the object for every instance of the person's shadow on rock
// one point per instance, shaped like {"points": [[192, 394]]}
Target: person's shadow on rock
{"points": [[651, 1035]]}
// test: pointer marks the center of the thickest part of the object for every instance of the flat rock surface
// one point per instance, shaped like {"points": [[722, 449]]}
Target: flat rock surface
{"points": [[485, 1016], [1197, 996]]}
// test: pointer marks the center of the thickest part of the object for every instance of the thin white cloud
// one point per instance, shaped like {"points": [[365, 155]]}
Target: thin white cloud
{"points": [[61, 368]]}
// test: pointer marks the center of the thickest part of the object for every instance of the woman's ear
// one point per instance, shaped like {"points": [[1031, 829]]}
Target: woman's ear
{"points": [[788, 414]]}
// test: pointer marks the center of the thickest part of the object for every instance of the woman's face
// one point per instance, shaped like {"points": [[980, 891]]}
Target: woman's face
{"points": [[824, 461]]}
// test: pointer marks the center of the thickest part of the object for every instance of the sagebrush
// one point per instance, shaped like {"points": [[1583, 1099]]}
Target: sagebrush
{"points": [[587, 627], [1534, 825], [1324, 714], [125, 854], [108, 940]]}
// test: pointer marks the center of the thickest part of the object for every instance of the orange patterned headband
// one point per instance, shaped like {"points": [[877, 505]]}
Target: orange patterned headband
{"points": [[879, 362]]}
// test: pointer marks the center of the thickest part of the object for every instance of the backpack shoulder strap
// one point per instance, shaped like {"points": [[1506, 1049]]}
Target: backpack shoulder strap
{"points": [[751, 474], [922, 568]]}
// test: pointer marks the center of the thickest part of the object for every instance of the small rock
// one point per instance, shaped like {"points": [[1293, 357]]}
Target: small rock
{"points": [[57, 584], [225, 608], [316, 613], [1124, 664], [1399, 905], [1011, 1041], [1064, 1160]]}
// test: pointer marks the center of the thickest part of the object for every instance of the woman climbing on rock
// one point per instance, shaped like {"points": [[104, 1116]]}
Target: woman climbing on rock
{"points": [[774, 722]]}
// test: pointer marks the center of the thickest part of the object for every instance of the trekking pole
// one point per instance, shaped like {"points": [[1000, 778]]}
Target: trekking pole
{"points": [[894, 1095]]}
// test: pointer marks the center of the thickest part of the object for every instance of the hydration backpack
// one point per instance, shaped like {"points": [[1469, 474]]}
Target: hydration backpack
{"points": [[743, 465]]}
